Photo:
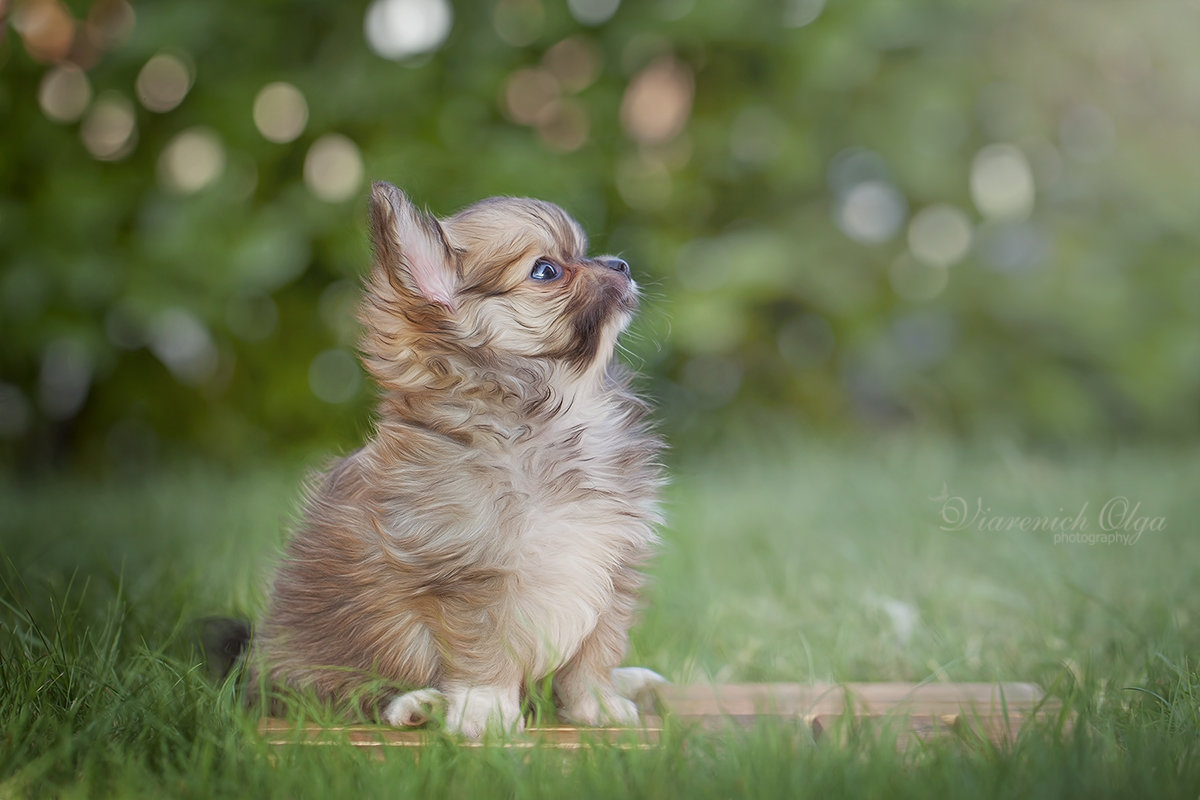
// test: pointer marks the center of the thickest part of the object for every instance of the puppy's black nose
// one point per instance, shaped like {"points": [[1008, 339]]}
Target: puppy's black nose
{"points": [[616, 265]]}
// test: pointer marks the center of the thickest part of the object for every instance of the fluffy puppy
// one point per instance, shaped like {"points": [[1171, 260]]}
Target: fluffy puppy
{"points": [[491, 531]]}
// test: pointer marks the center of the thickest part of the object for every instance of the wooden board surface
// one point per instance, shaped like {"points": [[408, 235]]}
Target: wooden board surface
{"points": [[280, 732], [995, 711]]}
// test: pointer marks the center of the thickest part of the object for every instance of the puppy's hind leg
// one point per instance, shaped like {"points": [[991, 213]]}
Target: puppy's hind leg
{"points": [[638, 684]]}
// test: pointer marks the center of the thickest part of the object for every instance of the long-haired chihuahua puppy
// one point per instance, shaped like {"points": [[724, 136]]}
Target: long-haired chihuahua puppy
{"points": [[490, 533]]}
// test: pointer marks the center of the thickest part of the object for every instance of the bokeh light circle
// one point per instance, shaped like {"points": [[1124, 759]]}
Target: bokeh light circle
{"points": [[163, 82], [64, 93], [1002, 182], [334, 376], [333, 168], [109, 130], [593, 12], [399, 29], [871, 212], [192, 160], [280, 112], [939, 235]]}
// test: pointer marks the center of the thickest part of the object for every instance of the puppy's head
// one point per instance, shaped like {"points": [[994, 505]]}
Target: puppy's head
{"points": [[504, 277]]}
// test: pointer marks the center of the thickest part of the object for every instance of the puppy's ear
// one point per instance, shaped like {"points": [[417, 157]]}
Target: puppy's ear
{"points": [[410, 245]]}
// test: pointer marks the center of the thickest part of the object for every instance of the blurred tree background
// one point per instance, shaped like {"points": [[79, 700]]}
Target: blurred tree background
{"points": [[954, 214]]}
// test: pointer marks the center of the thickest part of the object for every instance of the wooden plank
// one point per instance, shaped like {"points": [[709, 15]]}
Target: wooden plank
{"points": [[800, 699], [280, 732], [995, 711]]}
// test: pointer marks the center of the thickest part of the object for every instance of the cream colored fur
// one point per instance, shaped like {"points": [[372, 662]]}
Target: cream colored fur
{"points": [[491, 531]]}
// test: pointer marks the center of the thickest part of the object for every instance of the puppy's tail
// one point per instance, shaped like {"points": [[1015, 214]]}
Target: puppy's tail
{"points": [[223, 642]]}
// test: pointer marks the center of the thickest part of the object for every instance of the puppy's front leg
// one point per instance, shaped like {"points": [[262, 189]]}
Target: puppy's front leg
{"points": [[470, 710], [480, 679], [473, 709], [585, 683]]}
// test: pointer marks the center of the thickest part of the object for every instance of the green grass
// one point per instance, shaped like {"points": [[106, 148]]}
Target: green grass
{"points": [[786, 559]]}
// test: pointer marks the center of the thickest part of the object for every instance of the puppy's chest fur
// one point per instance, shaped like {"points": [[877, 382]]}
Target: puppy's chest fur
{"points": [[562, 513]]}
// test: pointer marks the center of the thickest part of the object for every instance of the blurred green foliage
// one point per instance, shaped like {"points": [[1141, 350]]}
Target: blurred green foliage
{"points": [[956, 214]]}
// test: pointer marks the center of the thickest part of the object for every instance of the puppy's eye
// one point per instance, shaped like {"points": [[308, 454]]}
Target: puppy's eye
{"points": [[545, 270]]}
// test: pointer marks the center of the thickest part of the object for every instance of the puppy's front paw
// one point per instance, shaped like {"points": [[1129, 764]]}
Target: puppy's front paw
{"points": [[414, 708], [477, 710], [601, 707]]}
